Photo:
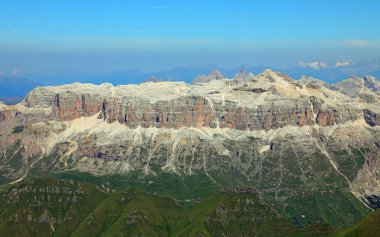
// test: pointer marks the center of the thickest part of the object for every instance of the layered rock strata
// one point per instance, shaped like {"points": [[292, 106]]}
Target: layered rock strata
{"points": [[273, 101]]}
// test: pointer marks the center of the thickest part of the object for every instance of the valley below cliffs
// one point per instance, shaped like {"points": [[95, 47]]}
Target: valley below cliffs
{"points": [[310, 150]]}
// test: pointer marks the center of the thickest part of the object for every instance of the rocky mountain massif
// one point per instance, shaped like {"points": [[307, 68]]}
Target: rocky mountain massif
{"points": [[299, 144]]}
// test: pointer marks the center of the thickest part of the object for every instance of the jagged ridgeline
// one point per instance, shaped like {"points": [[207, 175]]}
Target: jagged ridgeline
{"points": [[309, 150]]}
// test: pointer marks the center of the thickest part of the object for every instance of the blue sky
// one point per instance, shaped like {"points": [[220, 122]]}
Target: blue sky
{"points": [[153, 35]]}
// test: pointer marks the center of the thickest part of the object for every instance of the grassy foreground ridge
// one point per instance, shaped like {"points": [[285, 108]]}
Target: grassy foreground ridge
{"points": [[68, 208]]}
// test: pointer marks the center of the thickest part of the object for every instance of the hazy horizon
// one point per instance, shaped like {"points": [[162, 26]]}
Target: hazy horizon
{"points": [[160, 35]]}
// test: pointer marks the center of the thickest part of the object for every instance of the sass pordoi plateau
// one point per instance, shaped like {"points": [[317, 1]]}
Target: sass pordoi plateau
{"points": [[236, 157]]}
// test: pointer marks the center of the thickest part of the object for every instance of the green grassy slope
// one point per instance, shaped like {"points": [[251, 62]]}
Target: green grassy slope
{"points": [[368, 227], [67, 208], [301, 184]]}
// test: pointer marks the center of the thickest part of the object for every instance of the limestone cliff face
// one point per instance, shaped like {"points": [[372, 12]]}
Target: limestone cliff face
{"points": [[364, 91], [197, 111], [334, 116], [6, 115], [272, 101], [68, 106]]}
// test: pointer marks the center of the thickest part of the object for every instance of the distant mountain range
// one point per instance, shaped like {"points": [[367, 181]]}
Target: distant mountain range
{"points": [[339, 71], [13, 89], [17, 85]]}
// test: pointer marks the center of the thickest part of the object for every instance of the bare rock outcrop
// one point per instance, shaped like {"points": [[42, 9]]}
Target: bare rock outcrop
{"points": [[371, 117]]}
